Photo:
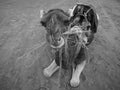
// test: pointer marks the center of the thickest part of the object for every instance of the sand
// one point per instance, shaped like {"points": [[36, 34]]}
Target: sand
{"points": [[24, 53]]}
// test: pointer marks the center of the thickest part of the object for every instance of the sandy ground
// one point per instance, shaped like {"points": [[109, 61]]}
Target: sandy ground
{"points": [[24, 54]]}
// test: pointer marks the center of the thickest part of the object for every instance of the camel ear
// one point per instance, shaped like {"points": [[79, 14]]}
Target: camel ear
{"points": [[42, 12], [42, 18]]}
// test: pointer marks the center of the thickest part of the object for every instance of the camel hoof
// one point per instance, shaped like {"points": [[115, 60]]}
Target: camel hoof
{"points": [[47, 73], [74, 83]]}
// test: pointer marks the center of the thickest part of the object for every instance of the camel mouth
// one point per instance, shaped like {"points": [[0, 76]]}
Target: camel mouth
{"points": [[61, 42]]}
